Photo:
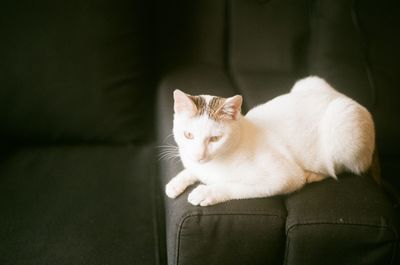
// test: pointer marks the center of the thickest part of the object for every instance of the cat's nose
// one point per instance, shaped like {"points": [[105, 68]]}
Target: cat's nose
{"points": [[201, 158]]}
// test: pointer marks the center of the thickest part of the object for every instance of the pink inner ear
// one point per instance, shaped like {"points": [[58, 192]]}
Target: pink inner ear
{"points": [[182, 103], [232, 107]]}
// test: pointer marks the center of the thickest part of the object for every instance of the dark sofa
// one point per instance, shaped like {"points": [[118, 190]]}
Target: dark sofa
{"points": [[86, 99]]}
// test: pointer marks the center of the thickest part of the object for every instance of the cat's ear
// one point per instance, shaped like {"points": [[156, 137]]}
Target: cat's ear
{"points": [[231, 108], [183, 103]]}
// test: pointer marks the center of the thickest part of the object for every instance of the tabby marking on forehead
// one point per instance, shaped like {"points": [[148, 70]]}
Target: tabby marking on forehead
{"points": [[215, 105], [200, 103], [209, 108]]}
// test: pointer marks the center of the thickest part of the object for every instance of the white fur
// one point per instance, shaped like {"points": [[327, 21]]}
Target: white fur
{"points": [[306, 135]]}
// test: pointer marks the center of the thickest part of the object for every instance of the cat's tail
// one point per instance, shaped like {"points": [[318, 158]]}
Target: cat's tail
{"points": [[312, 83], [347, 137]]}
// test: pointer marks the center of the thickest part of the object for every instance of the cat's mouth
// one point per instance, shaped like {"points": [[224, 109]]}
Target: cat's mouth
{"points": [[203, 160]]}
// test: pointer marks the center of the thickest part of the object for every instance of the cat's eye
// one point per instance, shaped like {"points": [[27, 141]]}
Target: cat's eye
{"points": [[188, 135], [215, 138]]}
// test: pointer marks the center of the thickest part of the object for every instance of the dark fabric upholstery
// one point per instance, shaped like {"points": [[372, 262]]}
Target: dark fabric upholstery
{"points": [[268, 36], [78, 205], [239, 232], [192, 31], [349, 221], [273, 44], [380, 26], [336, 51], [267, 42], [75, 70]]}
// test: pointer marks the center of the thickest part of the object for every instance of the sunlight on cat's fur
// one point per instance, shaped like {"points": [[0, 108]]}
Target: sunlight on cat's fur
{"points": [[307, 135]]}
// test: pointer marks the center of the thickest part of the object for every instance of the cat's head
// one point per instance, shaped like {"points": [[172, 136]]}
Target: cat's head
{"points": [[205, 127]]}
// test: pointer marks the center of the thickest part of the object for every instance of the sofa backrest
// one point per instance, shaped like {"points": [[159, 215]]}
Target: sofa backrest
{"points": [[85, 70], [352, 44], [75, 71], [192, 31], [381, 32]]}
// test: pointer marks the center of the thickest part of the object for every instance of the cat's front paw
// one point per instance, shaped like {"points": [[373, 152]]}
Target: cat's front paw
{"points": [[204, 195], [174, 188]]}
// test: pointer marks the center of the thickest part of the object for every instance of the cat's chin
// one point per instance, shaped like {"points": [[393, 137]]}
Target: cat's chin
{"points": [[201, 162], [204, 161], [189, 160]]}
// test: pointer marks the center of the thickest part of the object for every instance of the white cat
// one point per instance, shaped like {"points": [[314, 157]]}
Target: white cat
{"points": [[304, 136]]}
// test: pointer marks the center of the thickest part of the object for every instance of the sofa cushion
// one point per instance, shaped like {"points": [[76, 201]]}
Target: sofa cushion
{"points": [[274, 43], [267, 46], [336, 51], [380, 27], [78, 205], [349, 221], [267, 36], [75, 71], [236, 232]]}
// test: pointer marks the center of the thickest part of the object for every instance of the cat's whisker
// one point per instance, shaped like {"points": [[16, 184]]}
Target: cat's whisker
{"points": [[169, 157], [167, 147], [168, 152], [167, 137]]}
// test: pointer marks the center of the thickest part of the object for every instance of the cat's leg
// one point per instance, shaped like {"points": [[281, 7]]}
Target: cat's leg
{"points": [[280, 176], [205, 195], [313, 177], [179, 183]]}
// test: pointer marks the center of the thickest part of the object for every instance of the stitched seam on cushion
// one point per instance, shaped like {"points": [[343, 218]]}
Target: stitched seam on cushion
{"points": [[287, 249], [186, 217], [386, 227]]}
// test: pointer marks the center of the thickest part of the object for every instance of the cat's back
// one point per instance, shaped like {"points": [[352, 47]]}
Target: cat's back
{"points": [[305, 104], [317, 118]]}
